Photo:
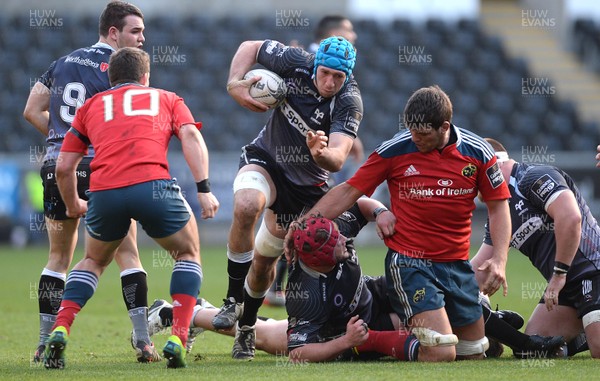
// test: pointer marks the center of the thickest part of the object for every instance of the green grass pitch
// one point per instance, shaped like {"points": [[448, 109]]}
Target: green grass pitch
{"points": [[99, 344]]}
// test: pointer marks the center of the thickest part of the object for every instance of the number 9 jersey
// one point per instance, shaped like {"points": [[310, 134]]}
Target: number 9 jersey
{"points": [[144, 118], [71, 80]]}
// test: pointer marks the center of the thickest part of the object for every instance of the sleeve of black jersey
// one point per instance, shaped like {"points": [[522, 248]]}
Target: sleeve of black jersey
{"points": [[540, 183], [348, 110], [351, 221], [46, 78], [283, 59]]}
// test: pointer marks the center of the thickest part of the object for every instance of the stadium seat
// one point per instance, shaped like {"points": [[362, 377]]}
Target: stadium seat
{"points": [[469, 64]]}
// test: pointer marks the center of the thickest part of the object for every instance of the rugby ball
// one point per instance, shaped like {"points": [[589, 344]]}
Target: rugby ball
{"points": [[269, 90]]}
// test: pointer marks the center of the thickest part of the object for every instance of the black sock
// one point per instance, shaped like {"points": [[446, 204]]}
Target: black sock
{"points": [[50, 291], [251, 306], [166, 316], [135, 290], [578, 344], [279, 274], [237, 275], [502, 331]]}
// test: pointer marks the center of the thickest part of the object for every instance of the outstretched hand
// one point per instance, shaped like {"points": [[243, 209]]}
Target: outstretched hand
{"points": [[316, 142]]}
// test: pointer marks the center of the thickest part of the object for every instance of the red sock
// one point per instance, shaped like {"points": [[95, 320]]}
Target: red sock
{"points": [[399, 344], [66, 314], [183, 306]]}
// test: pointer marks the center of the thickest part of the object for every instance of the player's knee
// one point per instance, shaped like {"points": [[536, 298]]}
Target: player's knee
{"points": [[267, 244], [591, 325], [246, 211], [592, 317], [472, 349], [251, 193]]}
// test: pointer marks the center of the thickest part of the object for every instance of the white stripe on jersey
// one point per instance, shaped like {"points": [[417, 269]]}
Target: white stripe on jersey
{"points": [[474, 141], [393, 141]]}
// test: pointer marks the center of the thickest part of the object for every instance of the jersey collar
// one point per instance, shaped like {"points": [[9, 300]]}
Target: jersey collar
{"points": [[103, 45]]}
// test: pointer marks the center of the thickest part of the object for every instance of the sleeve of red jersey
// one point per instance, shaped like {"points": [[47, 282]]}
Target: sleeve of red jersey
{"points": [[492, 184], [182, 115], [371, 174]]}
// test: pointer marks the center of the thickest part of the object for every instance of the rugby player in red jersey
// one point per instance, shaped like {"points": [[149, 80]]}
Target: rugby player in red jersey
{"points": [[130, 126], [434, 170]]}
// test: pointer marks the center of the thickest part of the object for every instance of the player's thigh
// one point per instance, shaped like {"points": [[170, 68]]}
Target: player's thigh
{"points": [[271, 336], [127, 255], [98, 254], [183, 244], [62, 237], [561, 321], [472, 332], [434, 319]]}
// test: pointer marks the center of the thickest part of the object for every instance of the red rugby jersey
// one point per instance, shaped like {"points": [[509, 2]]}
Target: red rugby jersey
{"points": [[130, 127], [432, 194]]}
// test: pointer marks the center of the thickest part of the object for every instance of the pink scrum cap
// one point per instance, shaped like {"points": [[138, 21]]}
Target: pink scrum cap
{"points": [[315, 242]]}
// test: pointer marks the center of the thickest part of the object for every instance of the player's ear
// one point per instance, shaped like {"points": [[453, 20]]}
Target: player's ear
{"points": [[145, 80], [113, 33]]}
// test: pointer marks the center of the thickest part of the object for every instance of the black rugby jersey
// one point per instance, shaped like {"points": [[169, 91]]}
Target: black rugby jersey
{"points": [[72, 80], [532, 187], [320, 305], [284, 135]]}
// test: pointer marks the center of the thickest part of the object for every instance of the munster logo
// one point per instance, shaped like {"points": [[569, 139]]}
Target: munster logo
{"points": [[469, 170]]}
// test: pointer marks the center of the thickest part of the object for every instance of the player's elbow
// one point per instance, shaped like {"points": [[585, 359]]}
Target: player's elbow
{"points": [[29, 113]]}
